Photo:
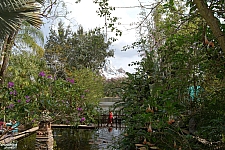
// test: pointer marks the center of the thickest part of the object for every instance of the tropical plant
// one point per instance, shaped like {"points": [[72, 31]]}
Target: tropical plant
{"points": [[13, 14], [17, 11], [64, 99], [31, 39], [211, 11], [30, 91]]}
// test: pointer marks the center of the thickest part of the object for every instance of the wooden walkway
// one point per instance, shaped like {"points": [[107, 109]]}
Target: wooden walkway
{"points": [[71, 126], [10, 137]]}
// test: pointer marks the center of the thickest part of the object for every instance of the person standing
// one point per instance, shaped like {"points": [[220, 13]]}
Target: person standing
{"points": [[110, 118]]}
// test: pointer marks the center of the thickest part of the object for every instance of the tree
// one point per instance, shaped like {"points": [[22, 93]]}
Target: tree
{"points": [[17, 11], [35, 92], [92, 82], [13, 14], [157, 101], [211, 12], [31, 39], [113, 86], [24, 67], [78, 49]]}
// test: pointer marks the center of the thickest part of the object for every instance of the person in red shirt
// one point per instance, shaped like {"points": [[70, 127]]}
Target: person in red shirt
{"points": [[110, 119]]}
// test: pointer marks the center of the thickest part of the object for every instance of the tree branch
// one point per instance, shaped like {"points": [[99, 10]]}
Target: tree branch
{"points": [[212, 21]]}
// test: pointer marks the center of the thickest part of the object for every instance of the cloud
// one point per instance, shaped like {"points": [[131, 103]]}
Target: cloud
{"points": [[123, 62], [84, 13]]}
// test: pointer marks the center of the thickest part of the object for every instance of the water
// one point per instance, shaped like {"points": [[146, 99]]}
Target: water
{"points": [[76, 139], [81, 139], [105, 137]]}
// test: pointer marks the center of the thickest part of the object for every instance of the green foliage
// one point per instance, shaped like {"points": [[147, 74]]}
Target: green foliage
{"points": [[33, 91], [113, 86], [105, 11], [156, 99], [78, 49], [31, 38], [23, 67], [92, 82], [17, 11], [60, 97]]}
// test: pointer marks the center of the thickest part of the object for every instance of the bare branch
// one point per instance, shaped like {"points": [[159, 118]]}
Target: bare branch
{"points": [[48, 8]]}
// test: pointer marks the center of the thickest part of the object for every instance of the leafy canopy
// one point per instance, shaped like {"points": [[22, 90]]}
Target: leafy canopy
{"points": [[78, 49]]}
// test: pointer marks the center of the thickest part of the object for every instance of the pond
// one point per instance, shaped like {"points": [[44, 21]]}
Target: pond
{"points": [[76, 139]]}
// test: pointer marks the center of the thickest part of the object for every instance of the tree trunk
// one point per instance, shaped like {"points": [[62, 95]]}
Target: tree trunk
{"points": [[6, 51], [212, 21]]}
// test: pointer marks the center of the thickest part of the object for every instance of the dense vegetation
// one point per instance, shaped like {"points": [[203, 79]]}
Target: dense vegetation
{"points": [[174, 100], [57, 79]]}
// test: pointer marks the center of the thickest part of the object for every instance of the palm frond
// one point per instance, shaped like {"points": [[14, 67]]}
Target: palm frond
{"points": [[32, 38], [14, 12]]}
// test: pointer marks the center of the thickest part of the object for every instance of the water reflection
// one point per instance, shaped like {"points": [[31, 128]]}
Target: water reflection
{"points": [[77, 139], [106, 136], [27, 143], [65, 139]]}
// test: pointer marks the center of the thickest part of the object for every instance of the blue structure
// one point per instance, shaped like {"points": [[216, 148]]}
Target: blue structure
{"points": [[14, 127], [194, 91]]}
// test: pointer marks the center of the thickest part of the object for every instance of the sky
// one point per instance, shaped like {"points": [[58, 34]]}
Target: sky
{"points": [[84, 13]]}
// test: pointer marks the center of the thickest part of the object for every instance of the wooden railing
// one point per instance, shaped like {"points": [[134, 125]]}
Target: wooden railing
{"points": [[117, 120]]}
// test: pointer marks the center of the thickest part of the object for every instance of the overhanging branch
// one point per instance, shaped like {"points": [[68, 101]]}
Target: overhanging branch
{"points": [[212, 21]]}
